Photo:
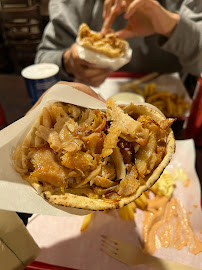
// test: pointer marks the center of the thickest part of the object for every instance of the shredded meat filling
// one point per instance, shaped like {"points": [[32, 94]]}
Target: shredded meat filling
{"points": [[127, 151], [92, 153]]}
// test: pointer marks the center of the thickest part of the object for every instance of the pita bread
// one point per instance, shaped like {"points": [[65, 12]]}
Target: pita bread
{"points": [[73, 178]]}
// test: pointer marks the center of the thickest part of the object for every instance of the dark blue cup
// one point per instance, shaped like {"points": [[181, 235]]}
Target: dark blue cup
{"points": [[40, 77]]}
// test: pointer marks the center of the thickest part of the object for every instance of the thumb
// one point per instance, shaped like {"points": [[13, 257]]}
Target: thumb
{"points": [[124, 34]]}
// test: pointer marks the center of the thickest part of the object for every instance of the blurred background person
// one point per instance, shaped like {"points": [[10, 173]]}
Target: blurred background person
{"points": [[166, 36]]}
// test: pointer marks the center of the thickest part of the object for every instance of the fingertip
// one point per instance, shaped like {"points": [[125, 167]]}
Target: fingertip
{"points": [[122, 34], [91, 65], [117, 34], [126, 15], [103, 31]]}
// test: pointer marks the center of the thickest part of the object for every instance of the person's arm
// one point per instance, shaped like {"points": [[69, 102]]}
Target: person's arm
{"points": [[58, 35], [58, 43], [179, 30], [144, 18], [186, 39]]}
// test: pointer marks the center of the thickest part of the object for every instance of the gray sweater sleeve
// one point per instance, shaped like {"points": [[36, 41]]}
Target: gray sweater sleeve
{"points": [[186, 40], [66, 16], [61, 31]]}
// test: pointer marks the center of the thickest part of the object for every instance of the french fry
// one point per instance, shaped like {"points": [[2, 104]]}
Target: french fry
{"points": [[127, 212], [147, 193], [146, 91], [179, 110], [171, 105], [154, 188], [86, 221], [158, 103], [142, 202], [133, 205], [152, 88], [123, 213], [156, 96], [130, 211], [144, 199]]}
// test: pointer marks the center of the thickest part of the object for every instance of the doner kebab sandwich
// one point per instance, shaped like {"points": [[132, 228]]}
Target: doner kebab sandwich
{"points": [[92, 159], [106, 51], [108, 44]]}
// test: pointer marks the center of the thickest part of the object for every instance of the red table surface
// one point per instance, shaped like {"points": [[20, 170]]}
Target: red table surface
{"points": [[125, 74], [45, 266]]}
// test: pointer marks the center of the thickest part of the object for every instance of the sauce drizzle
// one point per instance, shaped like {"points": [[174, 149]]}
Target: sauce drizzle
{"points": [[166, 224]]}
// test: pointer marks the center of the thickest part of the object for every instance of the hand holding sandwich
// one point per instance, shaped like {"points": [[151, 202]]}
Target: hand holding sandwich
{"points": [[145, 18], [79, 86], [82, 70]]}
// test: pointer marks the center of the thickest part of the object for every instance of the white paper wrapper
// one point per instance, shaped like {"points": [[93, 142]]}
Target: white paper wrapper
{"points": [[102, 61], [17, 194], [63, 244]]}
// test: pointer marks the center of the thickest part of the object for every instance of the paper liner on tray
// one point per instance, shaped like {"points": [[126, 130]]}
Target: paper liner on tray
{"points": [[17, 194]]}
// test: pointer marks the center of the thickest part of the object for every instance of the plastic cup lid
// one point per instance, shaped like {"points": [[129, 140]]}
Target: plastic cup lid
{"points": [[40, 71]]}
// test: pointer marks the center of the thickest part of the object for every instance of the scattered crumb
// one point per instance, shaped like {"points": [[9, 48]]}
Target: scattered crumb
{"points": [[187, 183]]}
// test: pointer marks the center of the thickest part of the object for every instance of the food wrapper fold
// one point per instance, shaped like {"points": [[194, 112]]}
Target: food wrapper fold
{"points": [[101, 60], [17, 194]]}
